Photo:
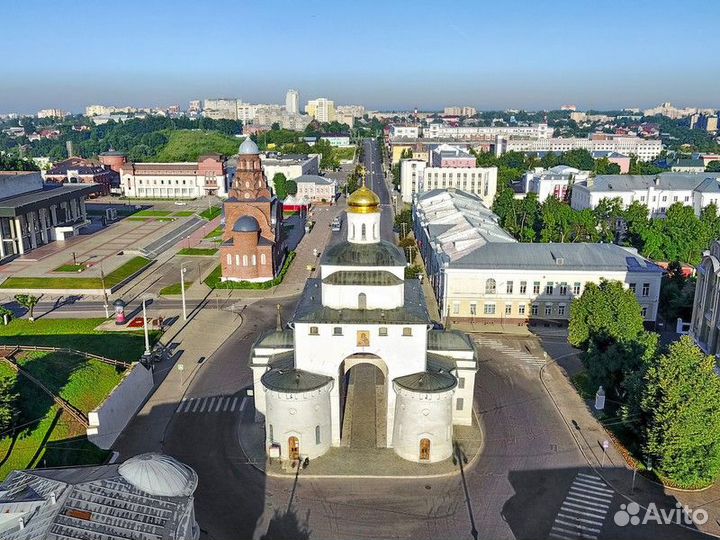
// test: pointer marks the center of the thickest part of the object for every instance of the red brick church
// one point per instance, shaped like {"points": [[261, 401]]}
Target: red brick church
{"points": [[251, 248]]}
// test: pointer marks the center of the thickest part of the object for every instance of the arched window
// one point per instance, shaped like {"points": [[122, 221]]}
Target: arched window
{"points": [[490, 286], [254, 260], [262, 258], [362, 232], [229, 259], [271, 436], [317, 434], [375, 232], [245, 260], [362, 301], [237, 260], [353, 231], [247, 184]]}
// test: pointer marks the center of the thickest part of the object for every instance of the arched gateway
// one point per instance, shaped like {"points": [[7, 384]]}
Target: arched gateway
{"points": [[359, 363]]}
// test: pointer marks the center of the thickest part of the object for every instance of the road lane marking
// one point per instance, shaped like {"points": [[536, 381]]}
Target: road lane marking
{"points": [[202, 407], [180, 405], [583, 520], [570, 497], [197, 402], [585, 483], [234, 402], [577, 525], [219, 403], [242, 403], [227, 403], [592, 494], [585, 508]]}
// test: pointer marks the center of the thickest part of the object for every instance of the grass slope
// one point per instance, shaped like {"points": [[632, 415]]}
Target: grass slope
{"points": [[188, 145]]}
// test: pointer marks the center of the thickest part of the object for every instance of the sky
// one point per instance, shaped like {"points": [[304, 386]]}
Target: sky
{"points": [[388, 55]]}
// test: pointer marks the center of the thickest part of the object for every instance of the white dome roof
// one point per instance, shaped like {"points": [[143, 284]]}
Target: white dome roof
{"points": [[248, 146], [158, 474]]}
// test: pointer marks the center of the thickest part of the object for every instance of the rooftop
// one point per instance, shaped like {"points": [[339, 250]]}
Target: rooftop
{"points": [[49, 194], [664, 181], [382, 253], [314, 179], [367, 277]]}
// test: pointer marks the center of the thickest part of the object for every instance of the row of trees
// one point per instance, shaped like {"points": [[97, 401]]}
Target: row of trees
{"points": [[667, 403], [283, 186]]}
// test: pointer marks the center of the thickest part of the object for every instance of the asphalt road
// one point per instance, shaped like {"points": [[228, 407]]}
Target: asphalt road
{"points": [[376, 181]]}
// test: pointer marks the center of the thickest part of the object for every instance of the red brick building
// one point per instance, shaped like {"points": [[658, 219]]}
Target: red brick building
{"points": [[252, 249], [77, 170]]}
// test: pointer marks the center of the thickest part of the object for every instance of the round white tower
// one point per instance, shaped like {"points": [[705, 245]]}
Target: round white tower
{"points": [[297, 412], [423, 416], [363, 216]]}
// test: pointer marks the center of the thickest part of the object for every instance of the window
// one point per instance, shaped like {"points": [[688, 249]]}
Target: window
{"points": [[237, 260], [314, 331], [643, 312], [362, 232], [521, 309], [548, 309], [561, 309], [459, 404], [245, 260], [508, 309], [664, 198], [263, 260], [631, 286], [407, 331], [576, 288], [489, 309], [675, 198], [536, 287], [534, 309], [523, 287], [461, 383], [456, 308], [563, 288], [317, 434], [646, 289], [490, 286], [509, 287], [229, 259], [337, 331], [270, 433], [687, 198], [473, 308], [382, 331], [362, 301], [254, 260], [549, 287]]}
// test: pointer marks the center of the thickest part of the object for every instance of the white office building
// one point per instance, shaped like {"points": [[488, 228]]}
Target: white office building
{"points": [[554, 181], [292, 101], [644, 149], [416, 176], [321, 109], [481, 274], [399, 131], [657, 191], [534, 131]]}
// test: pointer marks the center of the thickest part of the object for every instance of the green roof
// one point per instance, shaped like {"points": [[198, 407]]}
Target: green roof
{"points": [[367, 277], [430, 381], [293, 380], [382, 253]]}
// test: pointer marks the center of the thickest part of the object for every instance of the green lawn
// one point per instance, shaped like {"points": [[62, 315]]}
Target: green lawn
{"points": [[147, 219], [184, 213], [344, 153], [198, 251], [152, 213], [188, 145], [215, 233], [77, 334], [174, 288], [70, 268], [213, 280], [211, 213], [113, 278]]}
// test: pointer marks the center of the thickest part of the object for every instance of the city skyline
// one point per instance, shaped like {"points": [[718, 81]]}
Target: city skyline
{"points": [[491, 57]]}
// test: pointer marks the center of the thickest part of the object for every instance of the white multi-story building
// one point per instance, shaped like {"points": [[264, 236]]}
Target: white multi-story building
{"points": [[247, 111], [644, 149], [52, 113], [292, 101], [221, 109], [347, 114], [416, 176], [667, 109], [535, 131], [186, 180], [657, 191], [399, 131], [459, 111], [321, 109], [480, 273], [315, 189], [291, 165], [554, 181]]}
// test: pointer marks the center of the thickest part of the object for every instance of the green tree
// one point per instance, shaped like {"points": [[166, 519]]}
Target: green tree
{"points": [[713, 166], [605, 312], [579, 159], [28, 301], [291, 187], [5, 312], [603, 166], [280, 183], [8, 402], [682, 402], [607, 213], [404, 222]]}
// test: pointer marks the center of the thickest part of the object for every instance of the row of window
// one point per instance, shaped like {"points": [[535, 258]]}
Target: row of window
{"points": [[338, 331], [246, 261], [550, 309], [562, 288]]}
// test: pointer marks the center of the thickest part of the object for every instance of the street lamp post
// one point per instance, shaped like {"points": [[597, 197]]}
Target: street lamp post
{"points": [[145, 327], [182, 290]]}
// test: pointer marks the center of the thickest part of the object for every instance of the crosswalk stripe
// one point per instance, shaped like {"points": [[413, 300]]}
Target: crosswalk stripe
{"points": [[599, 511], [202, 407], [592, 484], [571, 497], [583, 520], [577, 526], [227, 402], [234, 402], [579, 492], [219, 403], [562, 536], [180, 405], [242, 403], [590, 476], [593, 487], [574, 533], [212, 402], [197, 402]]}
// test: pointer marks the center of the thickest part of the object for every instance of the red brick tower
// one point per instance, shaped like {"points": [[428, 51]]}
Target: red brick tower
{"points": [[251, 249]]}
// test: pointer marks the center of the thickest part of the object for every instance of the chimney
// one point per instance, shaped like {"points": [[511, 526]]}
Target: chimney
{"points": [[21, 523], [53, 499]]}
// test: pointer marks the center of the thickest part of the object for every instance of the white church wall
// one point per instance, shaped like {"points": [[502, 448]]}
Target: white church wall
{"points": [[369, 224], [303, 415], [423, 416], [378, 297], [463, 398], [326, 270]]}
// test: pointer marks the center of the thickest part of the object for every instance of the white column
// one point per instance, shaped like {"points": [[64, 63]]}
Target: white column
{"points": [[2, 241], [18, 231]]}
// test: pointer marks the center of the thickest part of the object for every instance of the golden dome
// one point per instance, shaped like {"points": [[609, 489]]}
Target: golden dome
{"points": [[363, 201]]}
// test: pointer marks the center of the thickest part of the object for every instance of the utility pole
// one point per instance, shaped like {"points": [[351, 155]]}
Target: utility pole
{"points": [[105, 296], [182, 291], [145, 327]]}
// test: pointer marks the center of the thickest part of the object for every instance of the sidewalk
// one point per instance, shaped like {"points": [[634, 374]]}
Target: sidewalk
{"points": [[589, 435], [205, 331]]}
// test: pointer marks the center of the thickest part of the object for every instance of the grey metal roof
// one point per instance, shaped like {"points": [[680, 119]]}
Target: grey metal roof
{"points": [[293, 380], [689, 163], [431, 381], [276, 340], [367, 277], [552, 256], [348, 254], [631, 182], [312, 179], [310, 308], [246, 224], [94, 503], [448, 340], [49, 194]]}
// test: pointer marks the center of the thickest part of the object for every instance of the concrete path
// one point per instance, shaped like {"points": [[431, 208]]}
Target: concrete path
{"points": [[364, 418]]}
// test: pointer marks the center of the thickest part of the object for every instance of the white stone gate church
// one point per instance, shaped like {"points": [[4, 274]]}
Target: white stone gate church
{"points": [[361, 311]]}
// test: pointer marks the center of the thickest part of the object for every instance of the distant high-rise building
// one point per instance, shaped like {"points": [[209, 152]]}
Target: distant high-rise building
{"points": [[459, 111], [321, 109], [195, 106], [346, 114], [292, 101], [222, 108], [51, 113]]}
